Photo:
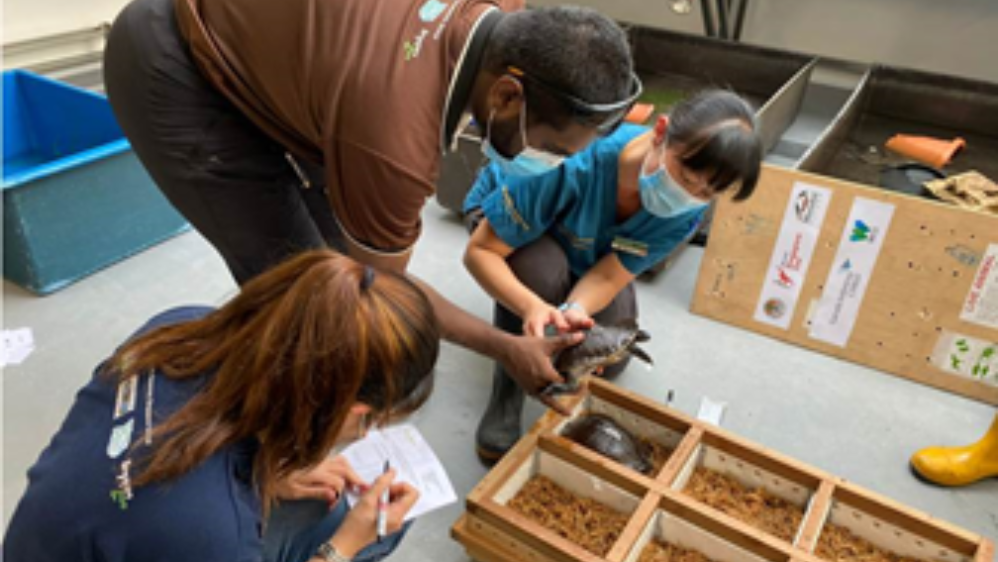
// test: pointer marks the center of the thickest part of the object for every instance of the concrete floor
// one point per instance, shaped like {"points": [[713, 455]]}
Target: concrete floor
{"points": [[848, 420]]}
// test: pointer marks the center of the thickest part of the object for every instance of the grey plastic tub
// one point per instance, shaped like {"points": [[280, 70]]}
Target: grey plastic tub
{"points": [[892, 101]]}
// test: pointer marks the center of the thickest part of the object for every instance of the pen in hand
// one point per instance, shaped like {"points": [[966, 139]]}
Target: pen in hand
{"points": [[383, 508]]}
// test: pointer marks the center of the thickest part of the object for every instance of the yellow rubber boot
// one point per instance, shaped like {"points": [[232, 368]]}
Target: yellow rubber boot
{"points": [[959, 466]]}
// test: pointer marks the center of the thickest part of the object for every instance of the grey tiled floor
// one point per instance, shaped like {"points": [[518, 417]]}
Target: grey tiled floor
{"points": [[846, 419]]}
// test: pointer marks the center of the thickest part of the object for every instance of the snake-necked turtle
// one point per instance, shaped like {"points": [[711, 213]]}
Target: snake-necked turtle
{"points": [[603, 346], [605, 436]]}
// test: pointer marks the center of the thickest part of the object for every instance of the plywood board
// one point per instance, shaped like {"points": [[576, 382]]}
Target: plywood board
{"points": [[911, 298]]}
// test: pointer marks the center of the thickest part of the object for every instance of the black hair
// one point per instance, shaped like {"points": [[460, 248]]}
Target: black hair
{"points": [[715, 131], [576, 50]]}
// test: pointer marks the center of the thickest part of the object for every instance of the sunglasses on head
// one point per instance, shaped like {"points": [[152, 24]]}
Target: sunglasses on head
{"points": [[614, 112]]}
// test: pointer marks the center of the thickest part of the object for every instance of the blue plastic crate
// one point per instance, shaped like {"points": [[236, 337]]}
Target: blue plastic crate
{"points": [[76, 199]]}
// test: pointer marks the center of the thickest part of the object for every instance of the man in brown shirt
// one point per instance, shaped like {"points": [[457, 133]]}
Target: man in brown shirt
{"points": [[276, 126]]}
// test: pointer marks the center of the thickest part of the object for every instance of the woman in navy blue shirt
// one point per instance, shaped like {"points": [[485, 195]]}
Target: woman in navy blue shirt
{"points": [[563, 248], [197, 426]]}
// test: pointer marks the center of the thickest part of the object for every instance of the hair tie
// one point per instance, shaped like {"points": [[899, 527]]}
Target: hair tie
{"points": [[368, 277]]}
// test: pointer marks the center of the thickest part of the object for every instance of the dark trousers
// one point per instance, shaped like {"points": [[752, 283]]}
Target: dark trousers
{"points": [[543, 267], [228, 178]]}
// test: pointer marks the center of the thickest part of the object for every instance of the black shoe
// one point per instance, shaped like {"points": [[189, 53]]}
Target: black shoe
{"points": [[499, 428]]}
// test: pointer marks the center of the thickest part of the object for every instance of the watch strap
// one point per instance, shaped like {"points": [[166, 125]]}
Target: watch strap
{"points": [[328, 553]]}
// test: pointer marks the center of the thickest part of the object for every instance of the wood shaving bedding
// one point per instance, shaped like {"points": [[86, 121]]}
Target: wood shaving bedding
{"points": [[839, 544], [585, 522], [757, 507], [657, 551]]}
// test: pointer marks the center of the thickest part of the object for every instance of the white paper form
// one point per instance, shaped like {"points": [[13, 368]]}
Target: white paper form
{"points": [[16, 346], [413, 460]]}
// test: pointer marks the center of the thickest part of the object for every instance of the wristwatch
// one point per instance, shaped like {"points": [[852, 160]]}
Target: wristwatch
{"points": [[329, 553]]}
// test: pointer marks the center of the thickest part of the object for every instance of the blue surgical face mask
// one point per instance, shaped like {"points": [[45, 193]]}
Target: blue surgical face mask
{"points": [[662, 196], [529, 162]]}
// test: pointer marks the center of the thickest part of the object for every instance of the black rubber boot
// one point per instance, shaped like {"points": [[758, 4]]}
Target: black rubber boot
{"points": [[500, 427]]}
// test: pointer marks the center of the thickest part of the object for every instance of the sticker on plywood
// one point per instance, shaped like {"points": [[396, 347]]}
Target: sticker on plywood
{"points": [[792, 254]]}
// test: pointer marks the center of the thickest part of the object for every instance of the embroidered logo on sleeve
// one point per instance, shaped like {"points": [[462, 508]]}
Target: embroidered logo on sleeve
{"points": [[413, 47], [121, 438], [628, 246], [511, 210], [576, 241]]}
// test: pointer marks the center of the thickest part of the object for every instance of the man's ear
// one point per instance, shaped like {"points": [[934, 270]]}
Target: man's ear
{"points": [[506, 97]]}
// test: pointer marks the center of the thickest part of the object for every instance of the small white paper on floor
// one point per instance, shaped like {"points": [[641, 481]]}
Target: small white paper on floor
{"points": [[413, 460], [711, 411], [16, 346]]}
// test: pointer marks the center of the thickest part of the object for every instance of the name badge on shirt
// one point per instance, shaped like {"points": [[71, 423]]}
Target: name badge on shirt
{"points": [[629, 246], [124, 404]]}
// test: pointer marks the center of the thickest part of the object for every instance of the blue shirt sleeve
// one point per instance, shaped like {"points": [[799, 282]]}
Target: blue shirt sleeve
{"points": [[488, 180], [521, 209]]}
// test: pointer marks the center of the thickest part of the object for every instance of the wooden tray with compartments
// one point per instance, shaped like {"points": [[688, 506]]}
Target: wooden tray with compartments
{"points": [[658, 508]]}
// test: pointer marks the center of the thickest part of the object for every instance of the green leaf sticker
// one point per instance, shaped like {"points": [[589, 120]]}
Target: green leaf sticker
{"points": [[962, 345], [954, 361]]}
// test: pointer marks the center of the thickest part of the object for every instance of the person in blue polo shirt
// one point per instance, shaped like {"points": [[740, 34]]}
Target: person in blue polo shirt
{"points": [[183, 441], [562, 249]]}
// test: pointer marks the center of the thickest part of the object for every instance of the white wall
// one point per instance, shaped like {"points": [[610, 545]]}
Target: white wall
{"points": [[29, 19], [957, 37]]}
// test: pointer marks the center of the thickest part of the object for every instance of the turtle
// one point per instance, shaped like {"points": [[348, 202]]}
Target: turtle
{"points": [[603, 346], [603, 434]]}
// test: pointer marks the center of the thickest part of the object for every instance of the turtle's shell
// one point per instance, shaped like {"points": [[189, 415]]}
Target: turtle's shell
{"points": [[603, 346], [608, 438]]}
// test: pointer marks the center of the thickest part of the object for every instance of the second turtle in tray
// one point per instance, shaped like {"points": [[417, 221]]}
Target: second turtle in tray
{"points": [[605, 436]]}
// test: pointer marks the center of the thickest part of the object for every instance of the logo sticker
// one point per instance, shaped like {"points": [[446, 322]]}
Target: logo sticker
{"points": [[431, 10], [805, 205], [860, 243], [861, 232], [775, 308], [803, 214], [783, 279]]}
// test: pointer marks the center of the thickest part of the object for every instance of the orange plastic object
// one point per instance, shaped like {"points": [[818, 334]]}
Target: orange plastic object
{"points": [[934, 152], [639, 113]]}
